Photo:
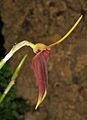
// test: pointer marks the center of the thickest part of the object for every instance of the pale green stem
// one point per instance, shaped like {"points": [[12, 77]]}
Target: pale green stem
{"points": [[15, 48], [2, 62], [12, 82]]}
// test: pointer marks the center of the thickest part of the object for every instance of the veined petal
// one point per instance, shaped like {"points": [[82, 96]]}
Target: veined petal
{"points": [[39, 63]]}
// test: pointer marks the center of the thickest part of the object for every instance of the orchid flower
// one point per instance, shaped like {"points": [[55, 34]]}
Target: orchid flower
{"points": [[39, 63]]}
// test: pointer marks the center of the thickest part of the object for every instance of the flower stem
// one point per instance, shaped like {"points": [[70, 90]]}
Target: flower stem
{"points": [[2, 62], [12, 82], [15, 48]]}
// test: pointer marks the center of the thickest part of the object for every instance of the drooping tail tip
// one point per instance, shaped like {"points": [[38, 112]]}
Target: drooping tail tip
{"points": [[40, 99]]}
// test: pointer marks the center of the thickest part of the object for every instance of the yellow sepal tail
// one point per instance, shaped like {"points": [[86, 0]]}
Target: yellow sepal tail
{"points": [[68, 33]]}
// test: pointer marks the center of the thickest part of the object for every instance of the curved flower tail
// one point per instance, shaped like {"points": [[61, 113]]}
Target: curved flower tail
{"points": [[68, 33], [39, 63]]}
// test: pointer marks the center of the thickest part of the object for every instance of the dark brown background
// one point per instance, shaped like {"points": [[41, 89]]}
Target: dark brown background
{"points": [[46, 21]]}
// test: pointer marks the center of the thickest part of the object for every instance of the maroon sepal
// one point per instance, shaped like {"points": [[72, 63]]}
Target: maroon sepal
{"points": [[39, 63]]}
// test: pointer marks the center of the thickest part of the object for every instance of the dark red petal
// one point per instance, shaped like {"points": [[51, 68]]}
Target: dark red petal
{"points": [[39, 63]]}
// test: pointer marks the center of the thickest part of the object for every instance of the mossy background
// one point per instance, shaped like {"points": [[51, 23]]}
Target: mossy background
{"points": [[46, 21]]}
